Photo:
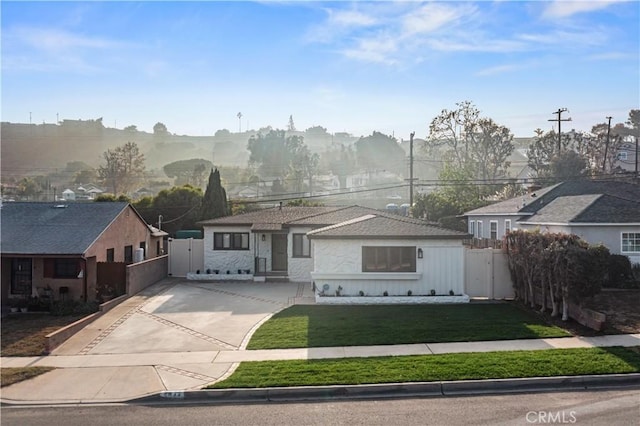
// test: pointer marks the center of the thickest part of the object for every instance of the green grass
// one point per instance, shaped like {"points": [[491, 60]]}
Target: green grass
{"points": [[301, 326], [426, 368], [9, 376]]}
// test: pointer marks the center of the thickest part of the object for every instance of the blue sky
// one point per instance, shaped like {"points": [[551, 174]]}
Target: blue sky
{"points": [[347, 66]]}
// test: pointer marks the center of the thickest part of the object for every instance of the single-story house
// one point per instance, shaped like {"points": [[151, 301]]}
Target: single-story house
{"points": [[606, 212], [356, 248], [55, 247]]}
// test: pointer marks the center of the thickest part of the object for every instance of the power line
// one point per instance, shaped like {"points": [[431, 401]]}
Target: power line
{"points": [[559, 120]]}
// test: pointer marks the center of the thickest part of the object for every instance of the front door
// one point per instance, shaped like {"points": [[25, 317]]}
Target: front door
{"points": [[21, 276], [279, 252]]}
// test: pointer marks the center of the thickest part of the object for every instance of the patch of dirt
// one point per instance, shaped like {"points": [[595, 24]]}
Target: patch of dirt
{"points": [[622, 308]]}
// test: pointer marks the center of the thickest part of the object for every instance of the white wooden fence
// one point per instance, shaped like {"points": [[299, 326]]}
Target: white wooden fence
{"points": [[487, 274], [185, 255]]}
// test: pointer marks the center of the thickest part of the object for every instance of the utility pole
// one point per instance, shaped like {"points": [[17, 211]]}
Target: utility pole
{"points": [[411, 135], [606, 145], [239, 122], [559, 120]]}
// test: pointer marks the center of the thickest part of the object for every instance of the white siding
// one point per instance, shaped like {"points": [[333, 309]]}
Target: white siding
{"points": [[338, 263]]}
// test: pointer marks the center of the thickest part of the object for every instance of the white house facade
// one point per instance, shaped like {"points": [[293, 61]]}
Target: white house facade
{"points": [[298, 243]]}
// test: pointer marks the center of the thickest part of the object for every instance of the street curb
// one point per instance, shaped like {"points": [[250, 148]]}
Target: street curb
{"points": [[393, 390]]}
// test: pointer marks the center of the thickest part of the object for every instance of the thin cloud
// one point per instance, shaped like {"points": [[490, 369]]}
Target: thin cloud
{"points": [[54, 40], [564, 9], [434, 16], [499, 69]]}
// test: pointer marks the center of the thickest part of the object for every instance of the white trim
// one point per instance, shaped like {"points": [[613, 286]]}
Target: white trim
{"points": [[491, 222], [577, 224], [627, 252], [505, 226], [368, 276], [472, 227]]}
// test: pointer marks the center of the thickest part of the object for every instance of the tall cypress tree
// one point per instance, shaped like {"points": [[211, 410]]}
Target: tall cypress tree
{"points": [[214, 203]]}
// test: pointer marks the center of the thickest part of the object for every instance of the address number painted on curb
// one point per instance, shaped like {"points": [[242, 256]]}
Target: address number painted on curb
{"points": [[172, 394]]}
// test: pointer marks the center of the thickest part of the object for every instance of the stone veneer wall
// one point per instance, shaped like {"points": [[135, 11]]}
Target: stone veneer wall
{"points": [[227, 260]]}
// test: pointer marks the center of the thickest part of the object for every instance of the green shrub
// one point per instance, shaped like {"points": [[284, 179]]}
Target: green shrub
{"points": [[619, 271]]}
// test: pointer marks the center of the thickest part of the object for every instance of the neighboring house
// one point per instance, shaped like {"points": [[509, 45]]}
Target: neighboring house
{"points": [[57, 245], [300, 243], [606, 212]]}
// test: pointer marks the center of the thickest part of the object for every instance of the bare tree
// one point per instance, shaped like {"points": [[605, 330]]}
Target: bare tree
{"points": [[123, 167]]}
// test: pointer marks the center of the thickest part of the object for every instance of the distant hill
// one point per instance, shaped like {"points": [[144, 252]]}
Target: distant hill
{"points": [[40, 149]]}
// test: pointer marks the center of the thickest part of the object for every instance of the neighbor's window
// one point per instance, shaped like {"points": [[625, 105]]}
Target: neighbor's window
{"points": [[128, 254], [622, 156], [65, 268], [507, 226], [301, 246], [231, 241], [493, 225], [388, 259], [472, 227], [630, 242], [480, 230], [110, 255]]}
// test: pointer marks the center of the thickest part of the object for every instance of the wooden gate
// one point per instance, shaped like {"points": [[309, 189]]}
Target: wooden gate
{"points": [[112, 274]]}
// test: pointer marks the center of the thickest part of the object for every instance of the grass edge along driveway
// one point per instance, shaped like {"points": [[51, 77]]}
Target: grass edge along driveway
{"points": [[308, 326], [428, 368]]}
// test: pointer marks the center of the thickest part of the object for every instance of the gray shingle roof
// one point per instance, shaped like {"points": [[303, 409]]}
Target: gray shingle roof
{"points": [[43, 228], [623, 195], [376, 226], [274, 215], [593, 208], [345, 222]]}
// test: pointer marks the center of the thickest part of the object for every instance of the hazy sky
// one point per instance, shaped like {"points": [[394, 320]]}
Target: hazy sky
{"points": [[347, 66]]}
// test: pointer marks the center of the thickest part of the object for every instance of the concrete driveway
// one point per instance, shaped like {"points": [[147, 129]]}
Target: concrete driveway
{"points": [[165, 338]]}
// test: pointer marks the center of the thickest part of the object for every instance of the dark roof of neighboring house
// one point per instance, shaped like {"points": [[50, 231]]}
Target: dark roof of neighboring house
{"points": [[592, 208], [54, 228], [338, 221], [386, 227], [623, 195], [511, 206]]}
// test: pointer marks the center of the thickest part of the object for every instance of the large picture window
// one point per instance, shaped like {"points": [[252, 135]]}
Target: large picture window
{"points": [[388, 259], [231, 241], [631, 242], [301, 246]]}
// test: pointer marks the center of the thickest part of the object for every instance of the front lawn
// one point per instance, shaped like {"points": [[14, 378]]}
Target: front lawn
{"points": [[9, 376], [23, 334], [301, 326], [427, 368]]}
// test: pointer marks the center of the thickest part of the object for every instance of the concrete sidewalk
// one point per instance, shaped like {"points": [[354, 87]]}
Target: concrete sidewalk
{"points": [[103, 378], [179, 335]]}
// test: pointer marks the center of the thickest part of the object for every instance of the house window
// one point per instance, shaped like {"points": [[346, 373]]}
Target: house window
{"points": [[143, 246], [622, 155], [493, 228], [388, 259], [110, 255], [507, 226], [301, 246], [65, 268], [472, 227], [231, 241], [158, 252], [128, 254], [480, 230], [631, 242]]}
